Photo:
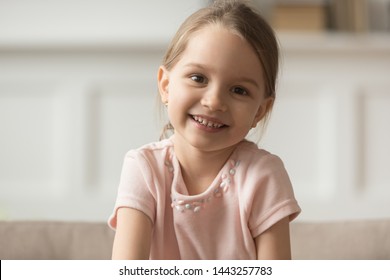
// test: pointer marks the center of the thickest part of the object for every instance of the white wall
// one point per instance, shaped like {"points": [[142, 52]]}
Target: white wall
{"points": [[54, 22], [77, 90]]}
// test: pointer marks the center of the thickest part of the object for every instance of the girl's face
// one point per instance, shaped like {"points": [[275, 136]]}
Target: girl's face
{"points": [[216, 91]]}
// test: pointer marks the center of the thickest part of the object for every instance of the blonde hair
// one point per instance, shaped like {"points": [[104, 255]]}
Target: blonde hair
{"points": [[238, 17]]}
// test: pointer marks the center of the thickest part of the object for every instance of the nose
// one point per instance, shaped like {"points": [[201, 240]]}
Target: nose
{"points": [[214, 100]]}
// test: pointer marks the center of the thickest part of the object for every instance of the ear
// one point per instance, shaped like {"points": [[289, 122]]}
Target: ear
{"points": [[163, 83], [264, 108]]}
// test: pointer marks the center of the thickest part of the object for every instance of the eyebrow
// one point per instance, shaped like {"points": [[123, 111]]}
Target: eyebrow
{"points": [[250, 81], [194, 64], [241, 79]]}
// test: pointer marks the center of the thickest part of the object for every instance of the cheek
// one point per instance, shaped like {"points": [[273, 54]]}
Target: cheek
{"points": [[178, 103], [181, 96]]}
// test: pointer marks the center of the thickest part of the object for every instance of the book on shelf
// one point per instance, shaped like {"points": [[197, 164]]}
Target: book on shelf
{"points": [[379, 15], [349, 15], [354, 16], [299, 16]]}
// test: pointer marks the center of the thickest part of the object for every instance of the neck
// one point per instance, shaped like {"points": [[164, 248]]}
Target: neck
{"points": [[199, 168]]}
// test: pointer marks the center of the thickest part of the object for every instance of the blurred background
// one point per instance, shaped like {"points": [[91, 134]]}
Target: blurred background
{"points": [[78, 90]]}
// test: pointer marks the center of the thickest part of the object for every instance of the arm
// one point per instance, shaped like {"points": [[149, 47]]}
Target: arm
{"points": [[133, 235], [274, 243]]}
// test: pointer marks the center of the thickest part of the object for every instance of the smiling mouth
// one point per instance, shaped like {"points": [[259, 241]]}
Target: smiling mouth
{"points": [[207, 122]]}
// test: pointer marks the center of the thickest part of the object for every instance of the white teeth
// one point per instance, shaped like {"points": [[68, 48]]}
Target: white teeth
{"points": [[206, 122]]}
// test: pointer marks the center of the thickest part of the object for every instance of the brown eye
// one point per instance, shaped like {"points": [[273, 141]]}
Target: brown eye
{"points": [[239, 91], [198, 79]]}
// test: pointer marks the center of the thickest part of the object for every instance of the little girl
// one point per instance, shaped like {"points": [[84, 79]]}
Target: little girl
{"points": [[206, 192]]}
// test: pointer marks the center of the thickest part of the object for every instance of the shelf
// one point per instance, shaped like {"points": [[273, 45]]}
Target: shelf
{"points": [[334, 42]]}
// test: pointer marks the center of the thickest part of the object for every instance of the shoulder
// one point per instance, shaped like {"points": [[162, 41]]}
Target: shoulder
{"points": [[261, 173], [254, 158], [266, 192], [148, 160], [152, 151]]}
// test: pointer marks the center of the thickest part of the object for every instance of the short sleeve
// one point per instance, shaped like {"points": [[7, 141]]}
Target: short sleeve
{"points": [[133, 190], [273, 196]]}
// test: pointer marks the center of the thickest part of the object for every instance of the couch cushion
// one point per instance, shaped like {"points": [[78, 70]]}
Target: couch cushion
{"points": [[360, 239], [55, 240]]}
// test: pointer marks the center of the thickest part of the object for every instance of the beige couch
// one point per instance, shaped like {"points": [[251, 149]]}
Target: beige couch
{"points": [[78, 240]]}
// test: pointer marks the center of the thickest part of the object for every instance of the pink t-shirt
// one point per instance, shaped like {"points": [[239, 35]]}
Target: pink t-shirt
{"points": [[250, 194]]}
